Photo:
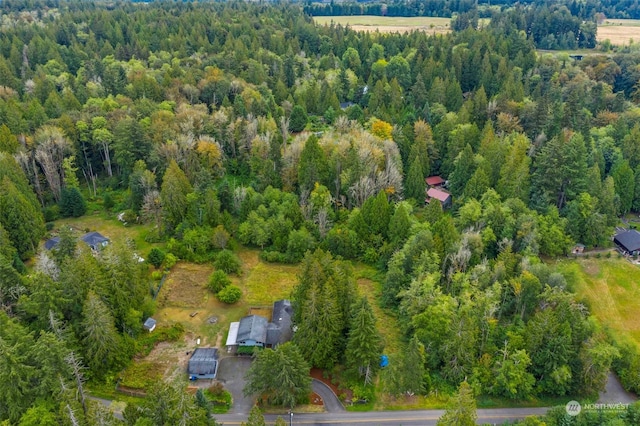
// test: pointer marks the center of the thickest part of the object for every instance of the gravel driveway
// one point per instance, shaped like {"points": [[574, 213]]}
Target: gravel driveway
{"points": [[231, 373]]}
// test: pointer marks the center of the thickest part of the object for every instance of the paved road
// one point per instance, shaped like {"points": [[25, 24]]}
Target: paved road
{"points": [[389, 418], [331, 402]]}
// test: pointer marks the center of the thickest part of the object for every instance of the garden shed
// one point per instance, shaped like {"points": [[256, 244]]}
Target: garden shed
{"points": [[203, 364]]}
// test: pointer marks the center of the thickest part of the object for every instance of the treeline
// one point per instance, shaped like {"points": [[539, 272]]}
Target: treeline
{"points": [[585, 10], [234, 122]]}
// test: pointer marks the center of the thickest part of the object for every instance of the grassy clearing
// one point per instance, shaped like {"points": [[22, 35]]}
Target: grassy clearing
{"points": [[619, 31], [111, 228], [610, 287], [264, 283], [141, 375], [386, 24], [370, 285]]}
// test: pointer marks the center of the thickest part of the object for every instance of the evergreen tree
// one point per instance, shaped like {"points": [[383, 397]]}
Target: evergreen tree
{"points": [[298, 120], [256, 418], [175, 188], [24, 223], [319, 332], [415, 185], [313, 166], [514, 174], [72, 203], [406, 372], [461, 410], [624, 180], [363, 342], [8, 141], [281, 374], [464, 168], [477, 185], [400, 225], [101, 342]]}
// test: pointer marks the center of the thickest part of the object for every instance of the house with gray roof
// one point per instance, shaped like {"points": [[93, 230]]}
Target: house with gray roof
{"points": [[95, 240], [203, 364], [279, 329], [51, 243], [252, 331], [628, 242]]}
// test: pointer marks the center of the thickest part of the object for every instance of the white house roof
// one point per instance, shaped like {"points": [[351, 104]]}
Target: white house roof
{"points": [[233, 333]]}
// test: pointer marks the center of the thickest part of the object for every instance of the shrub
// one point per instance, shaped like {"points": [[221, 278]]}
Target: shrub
{"points": [[51, 213], [230, 294], [220, 237], [273, 256], [228, 262], [169, 261], [218, 281], [156, 257], [129, 216], [157, 275], [107, 201]]}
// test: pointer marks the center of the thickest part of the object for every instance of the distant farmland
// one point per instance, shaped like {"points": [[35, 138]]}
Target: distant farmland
{"points": [[619, 31], [386, 24]]}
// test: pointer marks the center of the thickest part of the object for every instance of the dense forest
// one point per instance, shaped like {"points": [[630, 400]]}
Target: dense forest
{"points": [[243, 121]]}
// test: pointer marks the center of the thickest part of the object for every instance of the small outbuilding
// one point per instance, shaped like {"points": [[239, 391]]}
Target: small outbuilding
{"points": [[149, 324], [439, 195], [52, 243], [95, 240], [434, 181], [628, 242], [203, 364]]}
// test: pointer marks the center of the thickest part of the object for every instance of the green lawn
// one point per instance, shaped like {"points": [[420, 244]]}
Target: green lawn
{"points": [[610, 287]]}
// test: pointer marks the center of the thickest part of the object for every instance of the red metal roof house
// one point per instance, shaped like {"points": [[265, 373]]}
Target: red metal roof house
{"points": [[434, 181], [437, 194]]}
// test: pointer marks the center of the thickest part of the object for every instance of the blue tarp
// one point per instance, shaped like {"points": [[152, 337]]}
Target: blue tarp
{"points": [[384, 360]]}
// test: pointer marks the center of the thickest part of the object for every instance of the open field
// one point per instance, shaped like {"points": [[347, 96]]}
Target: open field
{"points": [[386, 24], [111, 228], [610, 287], [619, 31]]}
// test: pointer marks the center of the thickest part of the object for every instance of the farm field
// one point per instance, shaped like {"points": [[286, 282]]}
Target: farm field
{"points": [[386, 24], [610, 286], [619, 31]]}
